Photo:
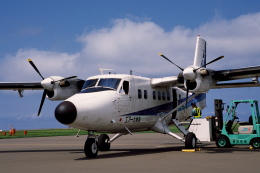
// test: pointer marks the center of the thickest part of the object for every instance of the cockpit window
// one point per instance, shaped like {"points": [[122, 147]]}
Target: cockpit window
{"points": [[89, 83], [109, 83], [97, 85]]}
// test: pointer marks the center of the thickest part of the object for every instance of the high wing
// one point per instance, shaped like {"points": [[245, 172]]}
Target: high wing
{"points": [[21, 86], [236, 74]]}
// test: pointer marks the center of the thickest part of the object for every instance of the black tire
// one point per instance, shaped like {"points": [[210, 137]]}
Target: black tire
{"points": [[190, 141], [91, 148], [103, 144], [255, 143], [223, 142]]}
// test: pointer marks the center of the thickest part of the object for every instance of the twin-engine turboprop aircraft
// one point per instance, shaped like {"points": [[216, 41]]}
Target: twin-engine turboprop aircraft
{"points": [[122, 104]]}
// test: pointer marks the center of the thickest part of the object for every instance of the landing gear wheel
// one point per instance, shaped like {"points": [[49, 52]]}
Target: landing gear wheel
{"points": [[91, 148], [255, 143], [103, 144], [223, 142], [190, 141]]}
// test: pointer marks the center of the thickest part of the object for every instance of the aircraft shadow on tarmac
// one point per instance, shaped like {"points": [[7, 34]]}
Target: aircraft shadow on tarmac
{"points": [[132, 152], [124, 152], [206, 148]]}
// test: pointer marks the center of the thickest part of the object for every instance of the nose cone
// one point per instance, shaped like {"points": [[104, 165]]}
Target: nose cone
{"points": [[66, 112]]}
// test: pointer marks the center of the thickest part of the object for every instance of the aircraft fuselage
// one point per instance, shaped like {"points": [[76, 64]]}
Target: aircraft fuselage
{"points": [[114, 103]]}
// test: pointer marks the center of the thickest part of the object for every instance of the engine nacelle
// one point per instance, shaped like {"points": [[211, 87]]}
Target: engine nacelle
{"points": [[202, 82], [59, 88]]}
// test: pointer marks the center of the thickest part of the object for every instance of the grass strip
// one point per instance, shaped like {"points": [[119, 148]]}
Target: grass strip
{"points": [[56, 132]]}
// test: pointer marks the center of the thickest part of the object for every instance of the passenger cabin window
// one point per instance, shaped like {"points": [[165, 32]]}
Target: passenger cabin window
{"points": [[139, 93], [159, 95], [154, 95], [145, 94], [163, 95], [125, 88]]}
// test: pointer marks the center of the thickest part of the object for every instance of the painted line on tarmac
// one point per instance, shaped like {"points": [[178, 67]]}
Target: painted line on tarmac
{"points": [[63, 144]]}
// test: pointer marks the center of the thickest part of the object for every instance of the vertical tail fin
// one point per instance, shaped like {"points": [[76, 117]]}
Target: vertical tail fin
{"points": [[200, 53]]}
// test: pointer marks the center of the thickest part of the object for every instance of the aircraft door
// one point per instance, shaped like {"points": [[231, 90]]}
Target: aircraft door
{"points": [[174, 102], [125, 99]]}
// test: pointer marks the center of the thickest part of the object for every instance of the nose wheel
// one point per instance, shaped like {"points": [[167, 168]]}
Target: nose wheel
{"points": [[91, 145], [91, 148]]}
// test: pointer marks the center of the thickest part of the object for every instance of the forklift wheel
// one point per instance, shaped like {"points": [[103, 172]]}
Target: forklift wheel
{"points": [[255, 143], [223, 142]]}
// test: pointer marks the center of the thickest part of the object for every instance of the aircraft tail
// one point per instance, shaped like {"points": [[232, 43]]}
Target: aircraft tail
{"points": [[200, 53]]}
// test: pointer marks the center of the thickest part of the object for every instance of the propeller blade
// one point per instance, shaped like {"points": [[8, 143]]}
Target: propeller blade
{"points": [[68, 78], [170, 61], [187, 93], [52, 82], [214, 60], [35, 68], [42, 101]]}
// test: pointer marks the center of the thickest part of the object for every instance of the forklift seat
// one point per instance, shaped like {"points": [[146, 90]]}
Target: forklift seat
{"points": [[250, 122]]}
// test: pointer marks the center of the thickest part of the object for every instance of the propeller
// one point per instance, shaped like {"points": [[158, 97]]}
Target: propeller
{"points": [[187, 93], [45, 83], [44, 91], [189, 73]]}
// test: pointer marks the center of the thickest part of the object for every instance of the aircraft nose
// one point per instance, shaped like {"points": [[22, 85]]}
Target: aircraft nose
{"points": [[66, 112]]}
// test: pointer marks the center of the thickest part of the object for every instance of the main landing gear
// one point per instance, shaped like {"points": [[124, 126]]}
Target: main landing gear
{"points": [[190, 141], [95, 143]]}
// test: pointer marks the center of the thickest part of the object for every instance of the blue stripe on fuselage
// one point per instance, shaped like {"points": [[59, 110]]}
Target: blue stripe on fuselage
{"points": [[167, 107], [196, 100]]}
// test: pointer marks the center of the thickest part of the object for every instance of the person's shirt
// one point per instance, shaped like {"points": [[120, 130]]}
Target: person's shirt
{"points": [[196, 112]]}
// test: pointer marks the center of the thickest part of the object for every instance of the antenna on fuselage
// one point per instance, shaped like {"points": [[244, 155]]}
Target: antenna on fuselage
{"points": [[102, 69]]}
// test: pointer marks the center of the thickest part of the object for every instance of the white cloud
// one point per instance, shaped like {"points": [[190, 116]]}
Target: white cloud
{"points": [[134, 45], [17, 68]]}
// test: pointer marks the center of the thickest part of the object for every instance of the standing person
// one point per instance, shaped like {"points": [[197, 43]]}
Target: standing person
{"points": [[196, 112]]}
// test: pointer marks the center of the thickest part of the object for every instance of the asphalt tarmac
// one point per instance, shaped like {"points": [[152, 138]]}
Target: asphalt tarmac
{"points": [[147, 152]]}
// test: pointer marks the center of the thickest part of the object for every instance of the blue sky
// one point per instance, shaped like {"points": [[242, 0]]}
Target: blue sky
{"points": [[77, 37]]}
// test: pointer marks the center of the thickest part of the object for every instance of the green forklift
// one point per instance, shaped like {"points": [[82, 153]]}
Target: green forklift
{"points": [[233, 132]]}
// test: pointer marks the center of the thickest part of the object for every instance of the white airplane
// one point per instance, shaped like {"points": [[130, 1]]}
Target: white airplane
{"points": [[122, 104]]}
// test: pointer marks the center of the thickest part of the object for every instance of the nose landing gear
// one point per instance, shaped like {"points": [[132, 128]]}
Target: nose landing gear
{"points": [[95, 143], [91, 145]]}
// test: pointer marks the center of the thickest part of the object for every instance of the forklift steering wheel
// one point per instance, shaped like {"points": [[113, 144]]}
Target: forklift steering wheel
{"points": [[235, 117]]}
